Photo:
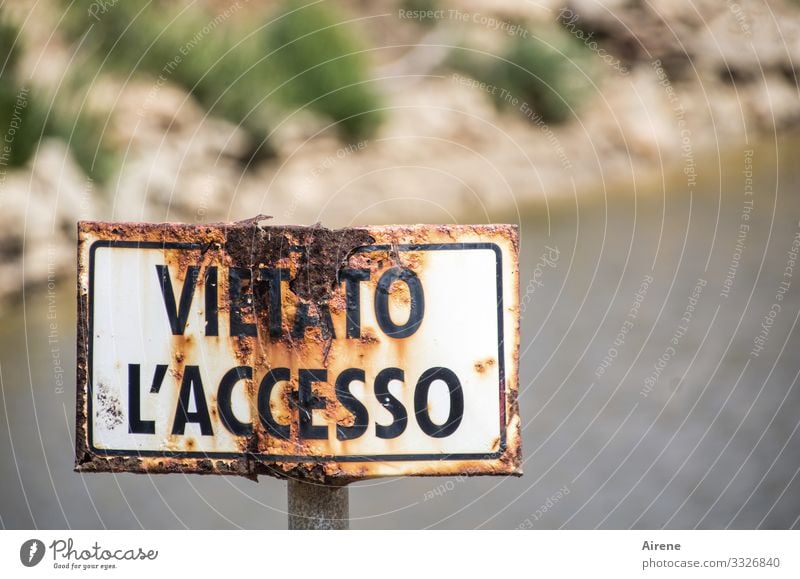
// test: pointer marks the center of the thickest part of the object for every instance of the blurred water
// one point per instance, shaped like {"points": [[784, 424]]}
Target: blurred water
{"points": [[712, 443]]}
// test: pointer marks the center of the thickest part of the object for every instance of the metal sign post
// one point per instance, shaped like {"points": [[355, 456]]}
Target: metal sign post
{"points": [[319, 356], [315, 506]]}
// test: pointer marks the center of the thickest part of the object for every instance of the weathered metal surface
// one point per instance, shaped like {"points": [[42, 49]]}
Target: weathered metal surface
{"points": [[314, 506], [298, 352]]}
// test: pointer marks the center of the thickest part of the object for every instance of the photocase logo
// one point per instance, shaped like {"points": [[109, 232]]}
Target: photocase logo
{"points": [[31, 552]]}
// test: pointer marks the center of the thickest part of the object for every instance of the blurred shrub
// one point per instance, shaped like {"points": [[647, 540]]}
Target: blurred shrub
{"points": [[422, 6], [223, 59], [216, 62], [24, 120], [82, 128], [9, 46], [323, 67], [548, 78], [20, 124]]}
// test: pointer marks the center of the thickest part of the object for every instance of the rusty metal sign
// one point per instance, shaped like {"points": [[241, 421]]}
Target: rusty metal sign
{"points": [[331, 355]]}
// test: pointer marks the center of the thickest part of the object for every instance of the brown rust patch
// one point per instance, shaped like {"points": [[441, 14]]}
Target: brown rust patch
{"points": [[484, 365], [322, 253], [368, 336], [326, 251], [399, 295]]}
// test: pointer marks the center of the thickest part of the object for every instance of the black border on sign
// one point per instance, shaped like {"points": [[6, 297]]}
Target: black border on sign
{"points": [[305, 458]]}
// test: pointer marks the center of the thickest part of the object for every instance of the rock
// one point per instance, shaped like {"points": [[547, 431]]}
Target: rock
{"points": [[183, 164], [39, 228]]}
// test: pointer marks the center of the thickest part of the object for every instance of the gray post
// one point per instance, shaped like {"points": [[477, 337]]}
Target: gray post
{"points": [[317, 506]]}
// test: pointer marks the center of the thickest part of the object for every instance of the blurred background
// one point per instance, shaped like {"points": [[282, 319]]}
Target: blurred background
{"points": [[647, 149]]}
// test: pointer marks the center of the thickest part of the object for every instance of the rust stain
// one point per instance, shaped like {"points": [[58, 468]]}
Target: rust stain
{"points": [[369, 336], [483, 365]]}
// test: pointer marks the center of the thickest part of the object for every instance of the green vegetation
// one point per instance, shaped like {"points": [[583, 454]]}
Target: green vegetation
{"points": [[201, 52], [422, 6], [242, 70], [82, 128], [20, 123], [323, 67], [234, 66], [9, 46], [249, 72], [541, 75], [24, 120]]}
